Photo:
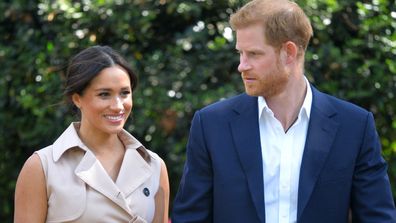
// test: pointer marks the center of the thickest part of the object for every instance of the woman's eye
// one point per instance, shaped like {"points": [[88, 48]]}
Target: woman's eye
{"points": [[125, 93], [103, 94]]}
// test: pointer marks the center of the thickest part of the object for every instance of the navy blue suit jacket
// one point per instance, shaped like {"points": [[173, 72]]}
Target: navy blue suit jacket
{"points": [[342, 168]]}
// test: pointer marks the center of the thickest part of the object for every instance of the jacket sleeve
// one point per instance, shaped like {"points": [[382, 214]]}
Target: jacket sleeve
{"points": [[371, 199], [193, 202]]}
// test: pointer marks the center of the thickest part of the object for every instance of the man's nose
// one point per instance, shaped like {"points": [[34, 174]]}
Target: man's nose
{"points": [[243, 64]]}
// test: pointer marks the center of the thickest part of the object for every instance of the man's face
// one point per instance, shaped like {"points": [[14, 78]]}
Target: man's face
{"points": [[259, 63]]}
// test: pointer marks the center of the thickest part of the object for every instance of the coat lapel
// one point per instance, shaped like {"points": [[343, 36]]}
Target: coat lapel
{"points": [[92, 173], [245, 131], [133, 173], [320, 136]]}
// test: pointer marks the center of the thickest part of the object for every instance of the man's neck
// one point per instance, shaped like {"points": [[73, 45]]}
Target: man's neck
{"points": [[287, 105]]}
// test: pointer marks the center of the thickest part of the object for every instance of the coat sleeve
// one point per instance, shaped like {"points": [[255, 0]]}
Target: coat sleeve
{"points": [[193, 202], [371, 199]]}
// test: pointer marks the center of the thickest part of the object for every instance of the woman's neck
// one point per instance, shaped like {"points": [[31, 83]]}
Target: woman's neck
{"points": [[97, 141]]}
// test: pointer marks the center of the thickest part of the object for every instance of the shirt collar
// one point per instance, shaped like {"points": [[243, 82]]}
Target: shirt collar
{"points": [[306, 106], [70, 139]]}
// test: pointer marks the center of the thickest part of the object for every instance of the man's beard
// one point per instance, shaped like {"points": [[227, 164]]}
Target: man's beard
{"points": [[271, 83]]}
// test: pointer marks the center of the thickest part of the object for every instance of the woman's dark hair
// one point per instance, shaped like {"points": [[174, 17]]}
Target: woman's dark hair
{"points": [[87, 64]]}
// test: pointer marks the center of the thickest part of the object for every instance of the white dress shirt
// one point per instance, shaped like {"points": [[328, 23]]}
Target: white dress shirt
{"points": [[282, 154]]}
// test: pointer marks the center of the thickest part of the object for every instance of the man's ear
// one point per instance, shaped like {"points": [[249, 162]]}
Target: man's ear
{"points": [[289, 52]]}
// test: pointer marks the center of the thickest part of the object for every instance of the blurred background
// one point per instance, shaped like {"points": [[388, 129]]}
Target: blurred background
{"points": [[183, 53]]}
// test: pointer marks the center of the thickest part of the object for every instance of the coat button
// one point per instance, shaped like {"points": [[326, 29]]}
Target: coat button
{"points": [[146, 191]]}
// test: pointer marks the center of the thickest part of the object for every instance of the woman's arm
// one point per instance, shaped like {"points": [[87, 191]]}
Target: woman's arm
{"points": [[162, 197], [30, 193]]}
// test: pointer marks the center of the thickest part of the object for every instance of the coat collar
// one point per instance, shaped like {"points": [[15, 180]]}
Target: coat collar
{"points": [[70, 139]]}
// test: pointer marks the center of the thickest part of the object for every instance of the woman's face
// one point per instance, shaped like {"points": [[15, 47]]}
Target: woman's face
{"points": [[106, 103]]}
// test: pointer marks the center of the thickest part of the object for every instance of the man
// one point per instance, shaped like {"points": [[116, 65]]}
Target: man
{"points": [[282, 152]]}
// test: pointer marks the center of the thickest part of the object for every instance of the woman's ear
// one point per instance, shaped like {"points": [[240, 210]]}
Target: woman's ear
{"points": [[76, 98]]}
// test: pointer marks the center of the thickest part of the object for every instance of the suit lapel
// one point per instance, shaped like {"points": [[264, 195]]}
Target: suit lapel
{"points": [[320, 136], [245, 131]]}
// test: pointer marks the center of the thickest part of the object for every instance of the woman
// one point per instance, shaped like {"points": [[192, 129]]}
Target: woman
{"points": [[95, 171]]}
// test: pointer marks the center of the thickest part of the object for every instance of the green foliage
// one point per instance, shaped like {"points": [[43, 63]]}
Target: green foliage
{"points": [[352, 56], [184, 56]]}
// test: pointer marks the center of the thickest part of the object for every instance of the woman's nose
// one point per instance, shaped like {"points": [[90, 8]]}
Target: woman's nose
{"points": [[117, 103]]}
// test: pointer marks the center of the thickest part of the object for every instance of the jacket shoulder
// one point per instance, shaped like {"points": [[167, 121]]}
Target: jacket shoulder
{"points": [[325, 103], [225, 105]]}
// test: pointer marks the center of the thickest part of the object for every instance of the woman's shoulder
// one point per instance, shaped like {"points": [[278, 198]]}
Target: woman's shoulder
{"points": [[155, 161], [45, 152]]}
